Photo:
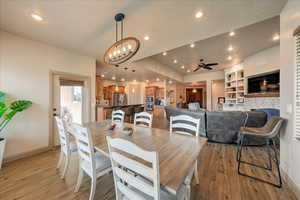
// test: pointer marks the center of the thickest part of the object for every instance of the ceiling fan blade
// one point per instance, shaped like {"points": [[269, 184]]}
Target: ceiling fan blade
{"points": [[197, 69], [211, 64], [207, 67]]}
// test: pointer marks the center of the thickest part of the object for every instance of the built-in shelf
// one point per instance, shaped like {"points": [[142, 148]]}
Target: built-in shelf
{"points": [[234, 86], [262, 95]]}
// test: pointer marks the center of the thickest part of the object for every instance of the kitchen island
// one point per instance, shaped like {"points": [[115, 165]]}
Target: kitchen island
{"points": [[104, 111]]}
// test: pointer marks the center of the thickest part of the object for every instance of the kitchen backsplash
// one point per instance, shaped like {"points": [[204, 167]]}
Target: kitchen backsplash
{"points": [[262, 102]]}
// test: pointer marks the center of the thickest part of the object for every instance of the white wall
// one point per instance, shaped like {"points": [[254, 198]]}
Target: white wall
{"points": [[135, 92], [289, 148], [263, 61], [24, 74]]}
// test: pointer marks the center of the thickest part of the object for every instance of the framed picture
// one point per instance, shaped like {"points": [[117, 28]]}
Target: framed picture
{"points": [[221, 100]]}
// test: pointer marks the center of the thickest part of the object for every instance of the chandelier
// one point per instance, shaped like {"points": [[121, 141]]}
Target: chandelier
{"points": [[124, 48]]}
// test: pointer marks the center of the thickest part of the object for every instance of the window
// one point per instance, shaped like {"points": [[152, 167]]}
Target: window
{"points": [[297, 85], [77, 94]]}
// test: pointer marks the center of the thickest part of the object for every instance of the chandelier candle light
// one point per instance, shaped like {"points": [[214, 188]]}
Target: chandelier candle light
{"points": [[124, 48]]}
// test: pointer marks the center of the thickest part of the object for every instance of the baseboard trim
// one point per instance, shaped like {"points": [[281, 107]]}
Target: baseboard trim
{"points": [[27, 154], [291, 183]]}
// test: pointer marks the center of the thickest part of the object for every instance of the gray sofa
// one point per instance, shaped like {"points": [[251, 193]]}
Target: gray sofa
{"points": [[222, 127]]}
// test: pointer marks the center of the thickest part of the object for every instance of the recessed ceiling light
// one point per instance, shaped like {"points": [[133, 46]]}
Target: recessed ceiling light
{"points": [[164, 53], [175, 61], [230, 48], [36, 17], [192, 45], [229, 58], [188, 71], [122, 79], [113, 78], [199, 14], [232, 34], [146, 37], [276, 37], [102, 75], [182, 67], [170, 82], [157, 79]]}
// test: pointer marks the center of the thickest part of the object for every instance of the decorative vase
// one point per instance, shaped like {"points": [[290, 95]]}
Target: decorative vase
{"points": [[2, 147]]}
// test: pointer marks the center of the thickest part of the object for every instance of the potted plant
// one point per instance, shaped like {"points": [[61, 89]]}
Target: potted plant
{"points": [[7, 112]]}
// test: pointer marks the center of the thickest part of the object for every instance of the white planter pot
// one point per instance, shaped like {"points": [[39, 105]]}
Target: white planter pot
{"points": [[2, 147]]}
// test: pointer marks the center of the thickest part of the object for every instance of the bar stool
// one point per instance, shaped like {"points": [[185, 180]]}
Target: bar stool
{"points": [[269, 132]]}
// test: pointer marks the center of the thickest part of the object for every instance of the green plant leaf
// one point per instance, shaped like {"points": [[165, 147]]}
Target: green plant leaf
{"points": [[12, 109], [3, 108]]}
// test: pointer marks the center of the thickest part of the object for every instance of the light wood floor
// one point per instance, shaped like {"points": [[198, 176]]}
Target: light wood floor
{"points": [[36, 178]]}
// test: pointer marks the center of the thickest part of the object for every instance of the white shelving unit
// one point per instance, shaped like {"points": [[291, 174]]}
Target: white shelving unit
{"points": [[234, 85]]}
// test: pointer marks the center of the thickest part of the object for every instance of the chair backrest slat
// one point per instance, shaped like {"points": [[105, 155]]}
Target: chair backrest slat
{"points": [[134, 181], [148, 180], [132, 165], [184, 123], [130, 194], [63, 136], [185, 126], [144, 118], [85, 145], [118, 116]]}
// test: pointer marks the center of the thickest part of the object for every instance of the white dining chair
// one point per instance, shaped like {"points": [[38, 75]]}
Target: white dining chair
{"points": [[129, 186], [184, 124], [92, 164], [118, 116], [67, 147], [143, 118], [67, 117]]}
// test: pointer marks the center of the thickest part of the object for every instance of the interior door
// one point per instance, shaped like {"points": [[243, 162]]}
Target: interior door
{"points": [[69, 96], [56, 109], [194, 95]]}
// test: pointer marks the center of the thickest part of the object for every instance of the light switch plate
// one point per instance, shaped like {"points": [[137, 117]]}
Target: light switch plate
{"points": [[289, 108]]}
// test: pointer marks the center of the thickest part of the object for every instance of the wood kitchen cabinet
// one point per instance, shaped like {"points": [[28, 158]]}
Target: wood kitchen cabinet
{"points": [[151, 91], [109, 92], [160, 93]]}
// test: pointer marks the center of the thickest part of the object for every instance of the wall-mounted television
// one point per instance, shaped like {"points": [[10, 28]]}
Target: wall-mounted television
{"points": [[264, 83]]}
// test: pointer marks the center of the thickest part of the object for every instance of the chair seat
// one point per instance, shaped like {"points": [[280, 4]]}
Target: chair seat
{"points": [[265, 130], [102, 163], [254, 131]]}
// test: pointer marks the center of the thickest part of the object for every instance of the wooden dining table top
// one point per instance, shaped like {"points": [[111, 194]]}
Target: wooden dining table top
{"points": [[177, 153]]}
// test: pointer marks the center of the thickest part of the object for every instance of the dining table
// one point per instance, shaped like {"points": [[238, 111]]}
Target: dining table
{"points": [[177, 153]]}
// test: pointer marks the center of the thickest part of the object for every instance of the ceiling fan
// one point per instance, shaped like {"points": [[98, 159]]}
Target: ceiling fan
{"points": [[205, 65]]}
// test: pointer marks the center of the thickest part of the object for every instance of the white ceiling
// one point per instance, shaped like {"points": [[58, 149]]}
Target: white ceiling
{"points": [[87, 26], [246, 42]]}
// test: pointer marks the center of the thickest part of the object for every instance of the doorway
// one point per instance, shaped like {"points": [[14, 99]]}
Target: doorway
{"points": [[195, 95], [70, 100]]}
